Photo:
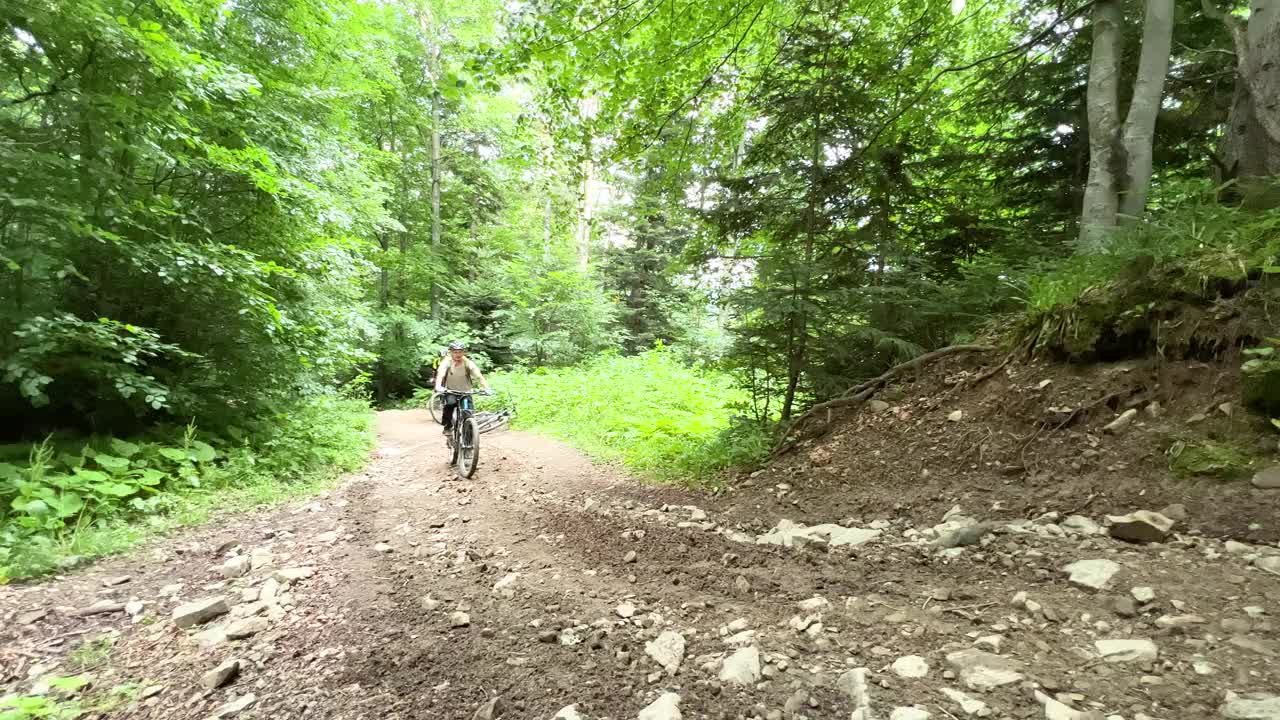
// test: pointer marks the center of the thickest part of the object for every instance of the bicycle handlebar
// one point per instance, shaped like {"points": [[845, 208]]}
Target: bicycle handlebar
{"points": [[465, 393]]}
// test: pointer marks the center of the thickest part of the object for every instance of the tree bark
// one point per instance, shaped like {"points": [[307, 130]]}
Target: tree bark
{"points": [[1148, 90], [1101, 203], [1251, 145]]}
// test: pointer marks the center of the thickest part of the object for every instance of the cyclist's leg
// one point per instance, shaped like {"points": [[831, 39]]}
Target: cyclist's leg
{"points": [[448, 412]]}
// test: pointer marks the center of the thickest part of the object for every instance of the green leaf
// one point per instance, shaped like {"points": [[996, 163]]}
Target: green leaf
{"points": [[202, 451], [125, 448], [174, 454], [114, 489], [111, 462]]}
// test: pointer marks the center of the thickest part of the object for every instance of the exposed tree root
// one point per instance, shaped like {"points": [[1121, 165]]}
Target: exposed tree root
{"points": [[863, 392]]}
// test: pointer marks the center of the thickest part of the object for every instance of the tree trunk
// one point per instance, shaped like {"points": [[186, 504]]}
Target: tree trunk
{"points": [[1101, 203], [546, 226], [1148, 89], [586, 211], [435, 201], [1251, 145]]}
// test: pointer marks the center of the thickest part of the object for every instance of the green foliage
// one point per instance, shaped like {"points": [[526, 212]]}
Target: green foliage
{"points": [[1206, 458], [1192, 280], [92, 653], [41, 707], [657, 415], [1260, 378], [66, 502]]}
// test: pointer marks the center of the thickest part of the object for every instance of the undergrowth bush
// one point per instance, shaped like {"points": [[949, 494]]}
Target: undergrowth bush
{"points": [[64, 500], [652, 412]]}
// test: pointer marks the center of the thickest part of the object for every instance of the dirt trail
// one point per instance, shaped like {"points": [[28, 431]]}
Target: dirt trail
{"points": [[568, 573]]}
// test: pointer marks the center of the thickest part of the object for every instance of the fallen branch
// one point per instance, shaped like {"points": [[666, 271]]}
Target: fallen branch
{"points": [[863, 392]]}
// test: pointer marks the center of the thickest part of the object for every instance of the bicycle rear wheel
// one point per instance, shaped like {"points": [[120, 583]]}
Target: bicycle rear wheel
{"points": [[468, 452]]}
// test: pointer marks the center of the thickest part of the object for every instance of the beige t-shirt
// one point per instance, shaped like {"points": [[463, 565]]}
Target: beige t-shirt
{"points": [[459, 378]]}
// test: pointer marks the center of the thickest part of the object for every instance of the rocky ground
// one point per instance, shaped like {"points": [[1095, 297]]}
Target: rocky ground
{"points": [[547, 587]]}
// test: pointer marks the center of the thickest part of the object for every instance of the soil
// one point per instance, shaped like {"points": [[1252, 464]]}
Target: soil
{"points": [[400, 549]]}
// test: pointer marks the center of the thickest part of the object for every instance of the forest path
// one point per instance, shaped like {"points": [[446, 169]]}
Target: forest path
{"points": [[578, 583]]}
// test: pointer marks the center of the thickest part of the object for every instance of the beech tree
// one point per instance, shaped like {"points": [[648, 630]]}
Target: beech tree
{"points": [[1120, 155]]}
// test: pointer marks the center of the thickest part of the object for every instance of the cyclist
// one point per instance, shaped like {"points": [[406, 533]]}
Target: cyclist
{"points": [[459, 374]]}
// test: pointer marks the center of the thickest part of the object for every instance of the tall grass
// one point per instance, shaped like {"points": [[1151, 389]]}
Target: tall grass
{"points": [[652, 412]]}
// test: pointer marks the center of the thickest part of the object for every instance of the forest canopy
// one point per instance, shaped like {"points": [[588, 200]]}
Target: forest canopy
{"points": [[211, 211]]}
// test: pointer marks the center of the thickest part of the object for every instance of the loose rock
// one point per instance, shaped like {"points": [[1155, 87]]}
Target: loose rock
{"points": [[968, 705], [1122, 422], [1254, 706], [910, 666], [666, 707], [1267, 479], [1141, 526], [198, 612], [667, 650], [102, 607], [246, 628], [221, 675], [234, 707], [1092, 574], [459, 619], [980, 670], [1127, 650], [742, 667]]}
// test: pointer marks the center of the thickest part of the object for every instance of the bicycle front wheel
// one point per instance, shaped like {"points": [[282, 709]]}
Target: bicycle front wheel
{"points": [[436, 406], [469, 448]]}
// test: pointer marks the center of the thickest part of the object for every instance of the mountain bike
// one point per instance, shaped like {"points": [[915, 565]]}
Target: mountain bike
{"points": [[487, 421], [463, 439]]}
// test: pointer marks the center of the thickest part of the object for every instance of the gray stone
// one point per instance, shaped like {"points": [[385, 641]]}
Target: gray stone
{"points": [[1122, 422], [1082, 525], [489, 710], [1176, 512], [1092, 574], [1269, 564], [567, 713], [234, 707], [965, 536], [980, 670], [910, 666], [877, 406], [459, 619], [742, 667], [1268, 479], [909, 713], [667, 650], [1254, 706], [1141, 526], [1125, 607], [199, 612], [246, 628], [968, 705], [289, 576], [237, 566], [221, 675], [666, 707], [102, 607], [1127, 650], [1143, 594], [853, 683]]}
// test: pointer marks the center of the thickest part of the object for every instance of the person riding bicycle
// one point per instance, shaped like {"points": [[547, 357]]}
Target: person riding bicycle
{"points": [[459, 374]]}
